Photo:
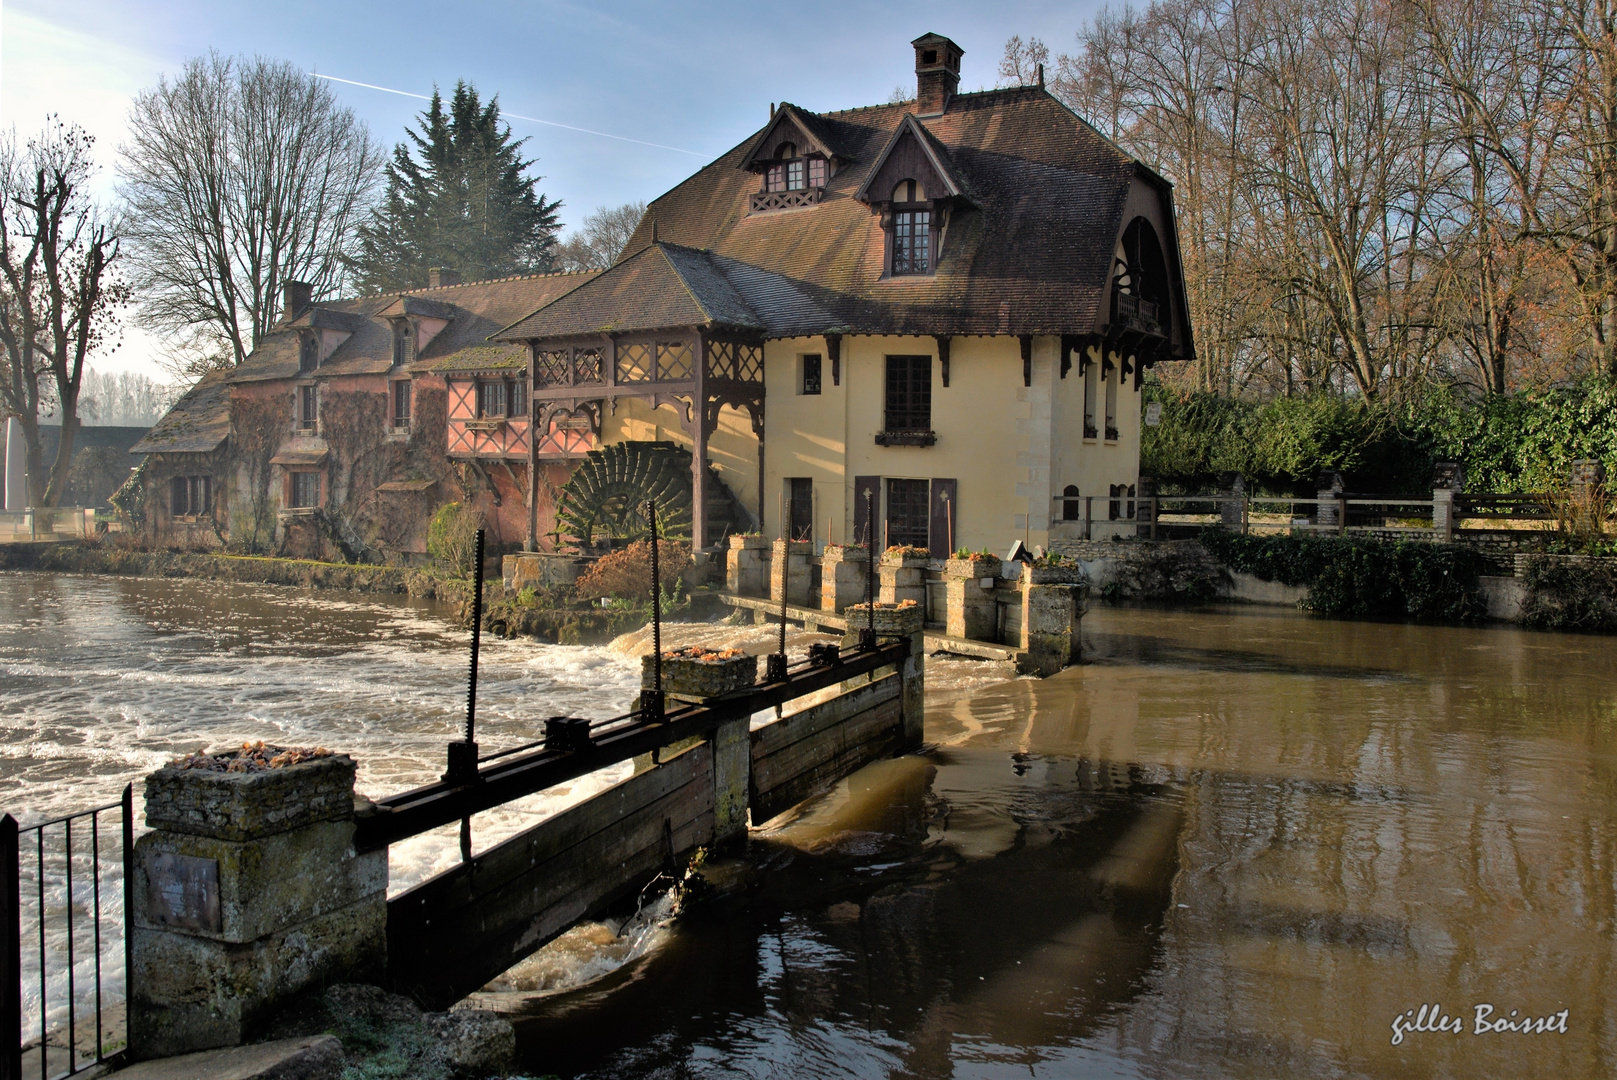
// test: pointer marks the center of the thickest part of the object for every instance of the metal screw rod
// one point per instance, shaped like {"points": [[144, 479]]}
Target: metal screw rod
{"points": [[477, 638]]}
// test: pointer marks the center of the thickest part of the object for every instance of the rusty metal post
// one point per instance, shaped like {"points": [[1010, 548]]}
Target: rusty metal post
{"points": [[651, 702]]}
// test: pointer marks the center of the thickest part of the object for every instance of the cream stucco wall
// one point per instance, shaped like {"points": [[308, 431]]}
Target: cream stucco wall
{"points": [[1009, 447]]}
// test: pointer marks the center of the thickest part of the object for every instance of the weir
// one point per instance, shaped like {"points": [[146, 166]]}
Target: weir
{"points": [[703, 772]]}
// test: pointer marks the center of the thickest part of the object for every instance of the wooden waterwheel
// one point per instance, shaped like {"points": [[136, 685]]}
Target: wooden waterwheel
{"points": [[605, 499]]}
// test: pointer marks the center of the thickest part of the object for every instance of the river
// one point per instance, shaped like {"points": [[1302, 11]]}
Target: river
{"points": [[1237, 842]]}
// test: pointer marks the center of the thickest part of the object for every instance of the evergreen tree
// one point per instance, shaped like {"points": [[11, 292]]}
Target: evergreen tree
{"points": [[461, 199]]}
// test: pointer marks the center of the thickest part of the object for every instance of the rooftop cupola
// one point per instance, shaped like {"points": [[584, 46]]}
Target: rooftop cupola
{"points": [[937, 73]]}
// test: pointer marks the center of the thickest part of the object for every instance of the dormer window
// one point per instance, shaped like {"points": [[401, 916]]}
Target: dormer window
{"points": [[790, 172], [912, 230], [308, 353], [403, 342]]}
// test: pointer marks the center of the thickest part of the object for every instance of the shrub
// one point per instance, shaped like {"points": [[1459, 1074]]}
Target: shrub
{"points": [[1362, 577], [626, 574], [1180, 573], [1563, 595], [452, 537]]}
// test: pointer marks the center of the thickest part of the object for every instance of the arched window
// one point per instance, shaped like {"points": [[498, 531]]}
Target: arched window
{"points": [[1069, 503], [1140, 274], [912, 229]]}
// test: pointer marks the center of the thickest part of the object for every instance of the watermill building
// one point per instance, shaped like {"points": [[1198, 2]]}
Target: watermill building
{"points": [[946, 303]]}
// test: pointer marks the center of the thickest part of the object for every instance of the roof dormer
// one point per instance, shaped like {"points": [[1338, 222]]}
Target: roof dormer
{"points": [[795, 159]]}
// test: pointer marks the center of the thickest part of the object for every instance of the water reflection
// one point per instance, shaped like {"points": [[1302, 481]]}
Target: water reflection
{"points": [[1236, 844]]}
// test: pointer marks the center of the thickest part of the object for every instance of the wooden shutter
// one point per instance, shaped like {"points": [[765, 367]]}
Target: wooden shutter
{"points": [[945, 524], [863, 526]]}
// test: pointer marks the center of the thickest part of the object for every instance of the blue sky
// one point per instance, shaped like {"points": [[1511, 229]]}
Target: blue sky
{"points": [[699, 78]]}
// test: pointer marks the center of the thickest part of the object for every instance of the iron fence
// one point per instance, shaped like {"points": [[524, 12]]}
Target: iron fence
{"points": [[61, 909]]}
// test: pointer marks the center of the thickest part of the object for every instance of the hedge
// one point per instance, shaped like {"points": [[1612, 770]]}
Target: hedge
{"points": [[1362, 577], [1509, 442]]}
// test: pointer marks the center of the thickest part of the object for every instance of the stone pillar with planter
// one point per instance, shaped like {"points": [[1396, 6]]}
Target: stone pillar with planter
{"points": [[789, 566], [747, 569], [1054, 599], [1332, 507], [697, 674], [842, 576], [903, 620], [969, 585], [247, 892], [903, 576]]}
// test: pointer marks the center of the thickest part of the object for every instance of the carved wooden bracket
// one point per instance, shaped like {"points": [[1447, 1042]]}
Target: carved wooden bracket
{"points": [[833, 349], [943, 355], [1027, 359]]}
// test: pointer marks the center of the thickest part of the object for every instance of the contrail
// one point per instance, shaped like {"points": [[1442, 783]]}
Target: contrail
{"points": [[515, 116]]}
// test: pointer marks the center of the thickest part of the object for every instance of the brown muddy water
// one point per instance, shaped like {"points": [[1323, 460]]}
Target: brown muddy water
{"points": [[1235, 843]]}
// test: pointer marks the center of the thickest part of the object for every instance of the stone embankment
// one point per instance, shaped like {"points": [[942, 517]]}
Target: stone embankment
{"points": [[105, 558]]}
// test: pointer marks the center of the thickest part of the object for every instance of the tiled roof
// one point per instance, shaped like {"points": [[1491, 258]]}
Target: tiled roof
{"points": [[660, 286], [196, 424], [1034, 256], [475, 310], [488, 356]]}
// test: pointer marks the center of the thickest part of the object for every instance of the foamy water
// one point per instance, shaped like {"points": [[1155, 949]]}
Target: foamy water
{"points": [[104, 679]]}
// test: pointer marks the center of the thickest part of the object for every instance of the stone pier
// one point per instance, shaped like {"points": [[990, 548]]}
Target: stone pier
{"points": [[969, 597], [247, 892], [1054, 599], [842, 576], [903, 577], [789, 564], [747, 568]]}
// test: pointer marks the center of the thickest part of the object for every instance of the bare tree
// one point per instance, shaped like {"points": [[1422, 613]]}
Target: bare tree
{"points": [[1021, 64], [240, 175], [602, 238], [124, 398], [59, 295]]}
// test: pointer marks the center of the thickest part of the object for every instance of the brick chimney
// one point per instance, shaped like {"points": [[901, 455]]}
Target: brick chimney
{"points": [[937, 73], [441, 276], [295, 297]]}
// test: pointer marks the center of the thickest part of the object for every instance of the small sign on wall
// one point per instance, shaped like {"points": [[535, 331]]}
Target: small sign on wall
{"points": [[182, 891], [1153, 414]]}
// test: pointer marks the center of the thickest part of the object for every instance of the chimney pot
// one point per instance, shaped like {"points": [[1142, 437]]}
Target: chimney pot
{"points": [[937, 73], [295, 297], [440, 276]]}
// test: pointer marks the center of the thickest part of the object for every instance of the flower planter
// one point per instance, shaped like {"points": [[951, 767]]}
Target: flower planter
{"points": [[984, 566], [246, 805], [892, 620], [1063, 574], [903, 576], [699, 673]]}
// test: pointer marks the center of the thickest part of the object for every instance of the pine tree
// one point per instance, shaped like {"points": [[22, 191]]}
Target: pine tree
{"points": [[461, 199]]}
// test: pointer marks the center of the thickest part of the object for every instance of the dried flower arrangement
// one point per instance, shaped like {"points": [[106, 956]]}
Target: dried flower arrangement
{"points": [[702, 653], [252, 757]]}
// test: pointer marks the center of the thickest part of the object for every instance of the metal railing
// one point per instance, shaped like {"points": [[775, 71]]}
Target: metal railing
{"points": [[71, 915]]}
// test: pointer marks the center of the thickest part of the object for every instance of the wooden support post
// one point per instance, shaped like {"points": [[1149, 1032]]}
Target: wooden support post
{"points": [[699, 449]]}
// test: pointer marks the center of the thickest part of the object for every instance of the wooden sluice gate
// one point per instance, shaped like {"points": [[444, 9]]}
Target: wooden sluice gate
{"points": [[256, 885], [454, 933]]}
